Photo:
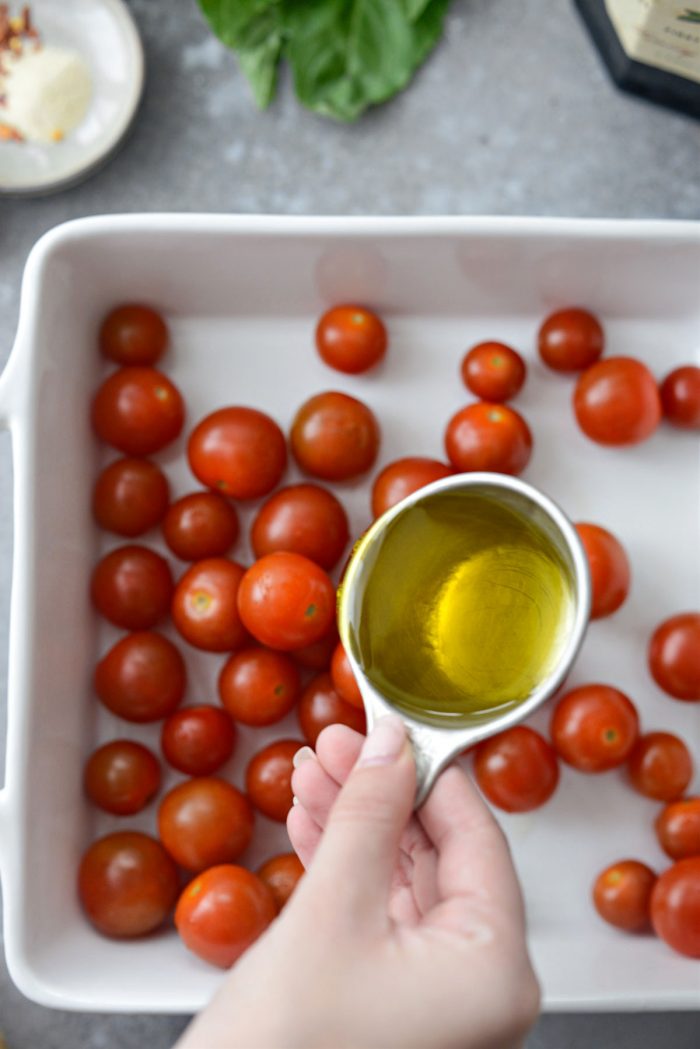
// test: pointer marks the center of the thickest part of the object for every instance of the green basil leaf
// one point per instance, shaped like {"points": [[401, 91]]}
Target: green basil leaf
{"points": [[233, 21], [415, 8], [428, 28], [349, 54], [345, 55], [259, 66], [254, 29]]}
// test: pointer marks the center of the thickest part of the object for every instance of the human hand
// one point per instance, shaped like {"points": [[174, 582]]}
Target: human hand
{"points": [[408, 930]]}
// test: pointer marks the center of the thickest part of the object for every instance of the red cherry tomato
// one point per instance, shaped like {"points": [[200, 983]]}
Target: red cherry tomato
{"points": [[239, 452], [335, 437], [617, 402], [133, 334], [678, 828], [141, 678], [402, 478], [138, 411], [570, 340], [132, 587], [594, 728], [493, 371], [205, 609], [200, 525], [286, 601], [268, 778], [517, 770], [675, 907], [258, 686], [680, 397], [121, 777], [130, 497], [281, 875], [205, 821], [609, 567], [198, 740], [321, 706], [351, 339], [222, 912], [660, 766], [302, 519], [343, 678], [127, 884], [674, 656], [486, 436], [622, 894], [318, 655]]}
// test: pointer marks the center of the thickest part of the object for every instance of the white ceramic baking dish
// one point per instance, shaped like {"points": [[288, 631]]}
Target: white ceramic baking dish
{"points": [[241, 295]]}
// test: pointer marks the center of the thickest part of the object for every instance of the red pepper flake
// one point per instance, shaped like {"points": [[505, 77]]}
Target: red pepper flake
{"points": [[10, 134], [15, 31]]}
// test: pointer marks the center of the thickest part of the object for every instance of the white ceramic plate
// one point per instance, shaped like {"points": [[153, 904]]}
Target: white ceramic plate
{"points": [[242, 296], [104, 34]]}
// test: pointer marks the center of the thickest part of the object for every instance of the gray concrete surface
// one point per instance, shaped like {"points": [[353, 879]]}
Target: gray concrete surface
{"points": [[514, 114]]}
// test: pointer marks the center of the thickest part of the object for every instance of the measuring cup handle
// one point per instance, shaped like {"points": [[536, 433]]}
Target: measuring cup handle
{"points": [[433, 748]]}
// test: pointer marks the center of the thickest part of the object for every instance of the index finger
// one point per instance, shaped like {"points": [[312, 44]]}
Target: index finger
{"points": [[474, 860]]}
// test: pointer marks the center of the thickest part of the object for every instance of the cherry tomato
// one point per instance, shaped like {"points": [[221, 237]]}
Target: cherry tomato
{"points": [[680, 397], [205, 821], [258, 686], [141, 678], [133, 334], [130, 497], [302, 519], [204, 608], [609, 567], [517, 770], [660, 766], [486, 436], [127, 884], [321, 706], [617, 402], [594, 727], [138, 411], [200, 525], [281, 874], [317, 656], [222, 912], [335, 437], [622, 894], [402, 478], [343, 678], [286, 601], [121, 777], [570, 340], [198, 740], [674, 656], [268, 778], [351, 339], [132, 587], [678, 828], [675, 907], [239, 452], [493, 371]]}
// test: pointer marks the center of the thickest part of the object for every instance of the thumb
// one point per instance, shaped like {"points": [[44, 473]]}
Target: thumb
{"points": [[359, 849]]}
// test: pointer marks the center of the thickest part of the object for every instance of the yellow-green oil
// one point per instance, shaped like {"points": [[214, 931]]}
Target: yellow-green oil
{"points": [[467, 606]]}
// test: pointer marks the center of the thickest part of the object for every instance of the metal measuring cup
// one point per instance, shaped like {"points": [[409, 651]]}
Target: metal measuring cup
{"points": [[434, 745]]}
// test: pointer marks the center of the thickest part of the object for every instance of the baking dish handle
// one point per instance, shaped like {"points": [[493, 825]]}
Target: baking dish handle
{"points": [[9, 389]]}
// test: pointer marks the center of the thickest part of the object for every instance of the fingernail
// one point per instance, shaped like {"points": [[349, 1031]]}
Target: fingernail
{"points": [[302, 755], [295, 800], [384, 743]]}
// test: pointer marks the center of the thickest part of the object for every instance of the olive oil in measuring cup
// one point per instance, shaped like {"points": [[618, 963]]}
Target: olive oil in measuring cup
{"points": [[467, 605]]}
